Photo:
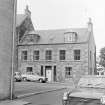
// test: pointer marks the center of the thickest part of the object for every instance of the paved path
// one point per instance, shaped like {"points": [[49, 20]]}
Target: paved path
{"points": [[14, 102]]}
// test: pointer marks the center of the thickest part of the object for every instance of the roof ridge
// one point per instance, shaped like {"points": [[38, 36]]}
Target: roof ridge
{"points": [[59, 29]]}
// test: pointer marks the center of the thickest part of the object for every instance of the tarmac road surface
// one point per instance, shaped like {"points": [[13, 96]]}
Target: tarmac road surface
{"points": [[22, 88], [48, 98]]}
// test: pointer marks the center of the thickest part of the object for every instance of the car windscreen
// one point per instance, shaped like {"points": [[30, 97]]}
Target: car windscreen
{"points": [[92, 81], [17, 73]]}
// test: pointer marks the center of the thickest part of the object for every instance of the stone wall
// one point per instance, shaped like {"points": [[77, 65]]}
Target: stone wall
{"points": [[78, 67]]}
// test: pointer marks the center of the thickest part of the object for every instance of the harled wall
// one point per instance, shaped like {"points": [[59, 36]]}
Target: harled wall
{"points": [[6, 28]]}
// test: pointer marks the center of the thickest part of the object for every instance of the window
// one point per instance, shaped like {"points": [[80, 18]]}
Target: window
{"points": [[70, 36], [68, 72], [29, 70], [24, 55], [76, 54], [102, 73], [62, 55], [48, 55], [36, 55]]}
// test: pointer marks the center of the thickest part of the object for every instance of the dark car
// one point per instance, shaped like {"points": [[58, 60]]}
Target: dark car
{"points": [[89, 91]]}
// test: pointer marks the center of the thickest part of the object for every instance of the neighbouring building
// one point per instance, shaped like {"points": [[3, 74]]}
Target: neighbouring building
{"points": [[100, 69], [58, 54], [6, 47]]}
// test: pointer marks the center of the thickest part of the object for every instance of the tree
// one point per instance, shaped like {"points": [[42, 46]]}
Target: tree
{"points": [[102, 57]]}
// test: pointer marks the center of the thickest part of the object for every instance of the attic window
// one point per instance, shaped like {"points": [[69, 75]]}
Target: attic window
{"points": [[70, 36]]}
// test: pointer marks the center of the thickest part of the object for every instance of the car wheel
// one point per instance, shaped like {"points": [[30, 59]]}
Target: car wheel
{"points": [[44, 81], [28, 80], [40, 80], [19, 80], [24, 79]]}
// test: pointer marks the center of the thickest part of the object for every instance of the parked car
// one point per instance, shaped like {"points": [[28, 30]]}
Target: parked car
{"points": [[89, 91], [33, 77], [17, 77]]}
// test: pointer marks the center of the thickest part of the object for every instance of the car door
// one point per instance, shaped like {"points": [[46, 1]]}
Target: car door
{"points": [[36, 77], [33, 77], [29, 77]]}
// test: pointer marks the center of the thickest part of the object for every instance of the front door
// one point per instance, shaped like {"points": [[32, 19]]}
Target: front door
{"points": [[48, 70]]}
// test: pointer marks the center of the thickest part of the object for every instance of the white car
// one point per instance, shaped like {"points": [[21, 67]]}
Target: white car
{"points": [[17, 77], [33, 77]]}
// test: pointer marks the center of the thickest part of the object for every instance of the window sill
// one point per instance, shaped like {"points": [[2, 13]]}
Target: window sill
{"points": [[62, 60], [77, 60], [48, 60], [67, 78], [36, 60], [24, 60]]}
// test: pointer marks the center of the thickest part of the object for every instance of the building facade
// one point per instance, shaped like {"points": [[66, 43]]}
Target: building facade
{"points": [[59, 54], [6, 48], [100, 70]]}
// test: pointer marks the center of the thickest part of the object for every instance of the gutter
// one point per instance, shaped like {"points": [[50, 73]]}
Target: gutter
{"points": [[51, 44]]}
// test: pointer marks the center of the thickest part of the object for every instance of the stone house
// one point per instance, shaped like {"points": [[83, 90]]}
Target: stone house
{"points": [[23, 25], [58, 54]]}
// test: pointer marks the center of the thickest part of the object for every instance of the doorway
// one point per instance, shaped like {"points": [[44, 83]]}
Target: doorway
{"points": [[48, 72]]}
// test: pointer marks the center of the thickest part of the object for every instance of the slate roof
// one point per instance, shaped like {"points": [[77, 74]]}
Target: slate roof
{"points": [[54, 35], [58, 35], [31, 32], [20, 18]]}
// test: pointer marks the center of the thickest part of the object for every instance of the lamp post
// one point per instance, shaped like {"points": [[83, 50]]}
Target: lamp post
{"points": [[13, 48]]}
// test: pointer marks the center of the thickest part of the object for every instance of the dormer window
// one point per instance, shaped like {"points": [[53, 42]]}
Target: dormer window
{"points": [[70, 37]]}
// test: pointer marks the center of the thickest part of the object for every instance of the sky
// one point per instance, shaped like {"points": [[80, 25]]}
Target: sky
{"points": [[59, 14]]}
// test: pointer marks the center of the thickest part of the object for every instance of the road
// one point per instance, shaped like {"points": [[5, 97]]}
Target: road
{"points": [[45, 98], [55, 98], [49, 98], [30, 87]]}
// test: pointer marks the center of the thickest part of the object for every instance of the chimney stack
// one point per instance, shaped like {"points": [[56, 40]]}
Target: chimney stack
{"points": [[27, 11], [90, 25]]}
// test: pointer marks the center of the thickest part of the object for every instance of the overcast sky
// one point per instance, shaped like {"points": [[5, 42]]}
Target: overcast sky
{"points": [[56, 14]]}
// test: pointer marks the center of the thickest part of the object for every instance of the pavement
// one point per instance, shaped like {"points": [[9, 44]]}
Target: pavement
{"points": [[34, 91], [14, 102]]}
